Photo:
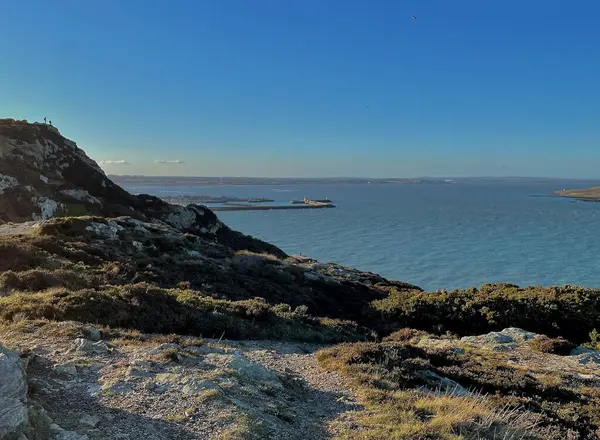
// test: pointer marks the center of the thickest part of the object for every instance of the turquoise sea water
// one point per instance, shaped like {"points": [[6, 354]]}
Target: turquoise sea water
{"points": [[435, 236]]}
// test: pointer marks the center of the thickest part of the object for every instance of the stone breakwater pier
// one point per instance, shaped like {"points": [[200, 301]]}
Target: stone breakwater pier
{"points": [[245, 207]]}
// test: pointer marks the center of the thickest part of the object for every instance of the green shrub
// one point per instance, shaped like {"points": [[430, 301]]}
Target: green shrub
{"points": [[567, 311], [406, 335], [594, 343]]}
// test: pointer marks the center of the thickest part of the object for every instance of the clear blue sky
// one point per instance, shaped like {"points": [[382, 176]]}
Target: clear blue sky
{"points": [[279, 87]]}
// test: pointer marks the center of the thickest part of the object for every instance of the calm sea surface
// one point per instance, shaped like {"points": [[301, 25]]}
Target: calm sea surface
{"points": [[435, 236]]}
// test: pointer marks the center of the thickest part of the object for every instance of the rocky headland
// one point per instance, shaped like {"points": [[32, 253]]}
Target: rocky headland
{"points": [[587, 195], [126, 317]]}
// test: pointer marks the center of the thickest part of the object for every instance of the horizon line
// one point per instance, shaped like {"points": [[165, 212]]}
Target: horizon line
{"points": [[356, 177]]}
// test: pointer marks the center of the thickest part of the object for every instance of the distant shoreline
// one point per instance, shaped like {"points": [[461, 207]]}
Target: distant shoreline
{"points": [[204, 181], [586, 195], [132, 181]]}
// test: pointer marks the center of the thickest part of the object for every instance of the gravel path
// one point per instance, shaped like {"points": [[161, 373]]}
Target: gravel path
{"points": [[299, 360], [18, 228], [328, 394], [137, 391]]}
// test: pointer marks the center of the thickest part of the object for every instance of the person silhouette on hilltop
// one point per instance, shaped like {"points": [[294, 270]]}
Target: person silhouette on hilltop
{"points": [[50, 122], [44, 119]]}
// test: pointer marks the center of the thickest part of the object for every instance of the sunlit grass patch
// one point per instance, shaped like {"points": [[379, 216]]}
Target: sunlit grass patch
{"points": [[415, 392], [413, 414]]}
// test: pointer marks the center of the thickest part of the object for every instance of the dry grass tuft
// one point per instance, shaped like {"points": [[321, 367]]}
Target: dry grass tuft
{"points": [[414, 392], [406, 335], [559, 346]]}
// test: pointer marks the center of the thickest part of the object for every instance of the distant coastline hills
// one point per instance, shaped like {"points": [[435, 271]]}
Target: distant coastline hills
{"points": [[127, 180], [202, 181]]}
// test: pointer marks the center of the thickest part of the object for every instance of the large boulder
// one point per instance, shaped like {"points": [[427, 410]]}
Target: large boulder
{"points": [[14, 416], [44, 175], [14, 419], [13, 382]]}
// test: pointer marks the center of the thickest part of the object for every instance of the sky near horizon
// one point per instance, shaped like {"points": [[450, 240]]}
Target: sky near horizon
{"points": [[281, 88]]}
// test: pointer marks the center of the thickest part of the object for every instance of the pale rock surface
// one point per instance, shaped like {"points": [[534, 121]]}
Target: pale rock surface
{"points": [[89, 347], [89, 420], [249, 370], [7, 182], [68, 369], [62, 434], [47, 208], [14, 418], [13, 382], [109, 230], [81, 195], [586, 356], [505, 340], [444, 385], [519, 335], [117, 387], [93, 334]]}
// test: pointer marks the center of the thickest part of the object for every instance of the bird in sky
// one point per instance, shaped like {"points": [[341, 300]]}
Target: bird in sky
{"points": [[367, 106], [414, 17]]}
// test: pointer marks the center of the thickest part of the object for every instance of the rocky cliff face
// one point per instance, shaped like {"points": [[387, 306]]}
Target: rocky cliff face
{"points": [[45, 175]]}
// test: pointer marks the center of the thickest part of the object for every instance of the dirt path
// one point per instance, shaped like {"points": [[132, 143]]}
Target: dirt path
{"points": [[187, 389], [18, 228], [328, 394]]}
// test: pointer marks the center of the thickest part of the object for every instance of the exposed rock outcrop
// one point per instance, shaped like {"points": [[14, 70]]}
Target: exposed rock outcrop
{"points": [[14, 417], [85, 346], [45, 175], [20, 418], [507, 339]]}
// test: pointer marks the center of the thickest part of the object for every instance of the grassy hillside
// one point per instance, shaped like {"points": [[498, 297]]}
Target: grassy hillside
{"points": [[154, 278]]}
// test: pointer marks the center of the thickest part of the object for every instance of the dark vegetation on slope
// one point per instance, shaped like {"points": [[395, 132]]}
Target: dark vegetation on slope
{"points": [[568, 311], [150, 309], [153, 278]]}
